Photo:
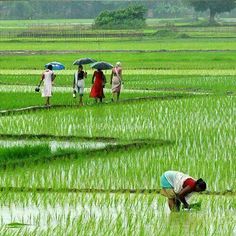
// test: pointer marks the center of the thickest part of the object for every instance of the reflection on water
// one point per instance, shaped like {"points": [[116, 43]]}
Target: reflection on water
{"points": [[145, 212], [54, 145]]}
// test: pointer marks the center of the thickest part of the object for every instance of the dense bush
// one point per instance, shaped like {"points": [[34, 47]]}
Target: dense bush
{"points": [[131, 17]]}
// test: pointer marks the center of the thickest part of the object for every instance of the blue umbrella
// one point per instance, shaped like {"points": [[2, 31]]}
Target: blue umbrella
{"points": [[56, 65], [102, 65]]}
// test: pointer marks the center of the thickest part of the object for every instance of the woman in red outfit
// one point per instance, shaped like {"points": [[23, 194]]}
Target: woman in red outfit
{"points": [[98, 81]]}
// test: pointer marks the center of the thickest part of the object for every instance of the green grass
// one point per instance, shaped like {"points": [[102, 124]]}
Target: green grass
{"points": [[165, 61], [109, 214], [218, 84], [9, 100], [198, 128], [194, 134], [106, 44], [20, 153]]}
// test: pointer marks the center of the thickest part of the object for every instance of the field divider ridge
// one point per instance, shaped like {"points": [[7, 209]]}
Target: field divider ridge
{"points": [[107, 191], [43, 52], [37, 108]]}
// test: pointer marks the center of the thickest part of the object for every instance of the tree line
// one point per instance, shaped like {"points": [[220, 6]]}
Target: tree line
{"points": [[72, 9]]}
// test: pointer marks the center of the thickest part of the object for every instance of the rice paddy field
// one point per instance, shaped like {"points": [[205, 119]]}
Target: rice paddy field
{"points": [[95, 169]]}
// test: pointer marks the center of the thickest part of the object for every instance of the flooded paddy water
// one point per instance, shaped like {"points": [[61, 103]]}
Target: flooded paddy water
{"points": [[54, 145], [95, 169], [120, 213]]}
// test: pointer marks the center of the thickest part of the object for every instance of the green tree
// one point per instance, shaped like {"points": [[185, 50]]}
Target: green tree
{"points": [[214, 6], [130, 17]]}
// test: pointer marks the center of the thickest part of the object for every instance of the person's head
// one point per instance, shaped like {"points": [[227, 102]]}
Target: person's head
{"points": [[200, 185], [80, 67], [118, 64], [50, 67]]}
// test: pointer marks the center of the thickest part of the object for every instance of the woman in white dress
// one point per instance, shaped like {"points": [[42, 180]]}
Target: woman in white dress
{"points": [[47, 78]]}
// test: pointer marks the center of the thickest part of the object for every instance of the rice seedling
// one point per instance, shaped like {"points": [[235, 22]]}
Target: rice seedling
{"points": [[198, 128], [224, 60], [133, 81], [96, 169], [111, 214]]}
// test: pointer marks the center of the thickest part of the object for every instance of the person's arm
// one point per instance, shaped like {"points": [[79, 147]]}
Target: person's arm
{"points": [[111, 77], [93, 77], [41, 81], [74, 82], [183, 193], [53, 77], [121, 77], [104, 79]]}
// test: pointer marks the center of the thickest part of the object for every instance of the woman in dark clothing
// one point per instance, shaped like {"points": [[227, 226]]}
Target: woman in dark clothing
{"points": [[78, 84]]}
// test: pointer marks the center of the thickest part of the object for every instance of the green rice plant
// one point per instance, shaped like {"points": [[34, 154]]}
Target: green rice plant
{"points": [[18, 153], [198, 128], [104, 43], [129, 214], [84, 189], [60, 99], [186, 60], [146, 81]]}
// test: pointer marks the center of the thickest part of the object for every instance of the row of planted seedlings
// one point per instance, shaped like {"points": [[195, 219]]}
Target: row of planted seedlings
{"points": [[196, 61], [64, 98], [119, 214], [196, 131], [147, 119], [137, 170], [203, 43], [136, 82], [186, 135]]}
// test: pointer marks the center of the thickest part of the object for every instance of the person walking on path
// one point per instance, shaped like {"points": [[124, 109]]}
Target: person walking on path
{"points": [[178, 188], [78, 84], [98, 81], [116, 81], [47, 78]]}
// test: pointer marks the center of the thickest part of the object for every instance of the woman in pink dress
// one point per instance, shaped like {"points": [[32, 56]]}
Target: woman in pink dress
{"points": [[98, 81], [116, 81]]}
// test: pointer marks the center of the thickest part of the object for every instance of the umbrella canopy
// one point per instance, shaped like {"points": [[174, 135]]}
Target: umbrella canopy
{"points": [[84, 61], [56, 65], [102, 65]]}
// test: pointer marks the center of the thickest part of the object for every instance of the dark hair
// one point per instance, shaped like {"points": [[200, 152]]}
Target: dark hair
{"points": [[80, 67], [201, 184], [50, 67]]}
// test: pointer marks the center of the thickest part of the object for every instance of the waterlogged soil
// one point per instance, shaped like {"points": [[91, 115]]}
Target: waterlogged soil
{"points": [[54, 145], [71, 150], [40, 212]]}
